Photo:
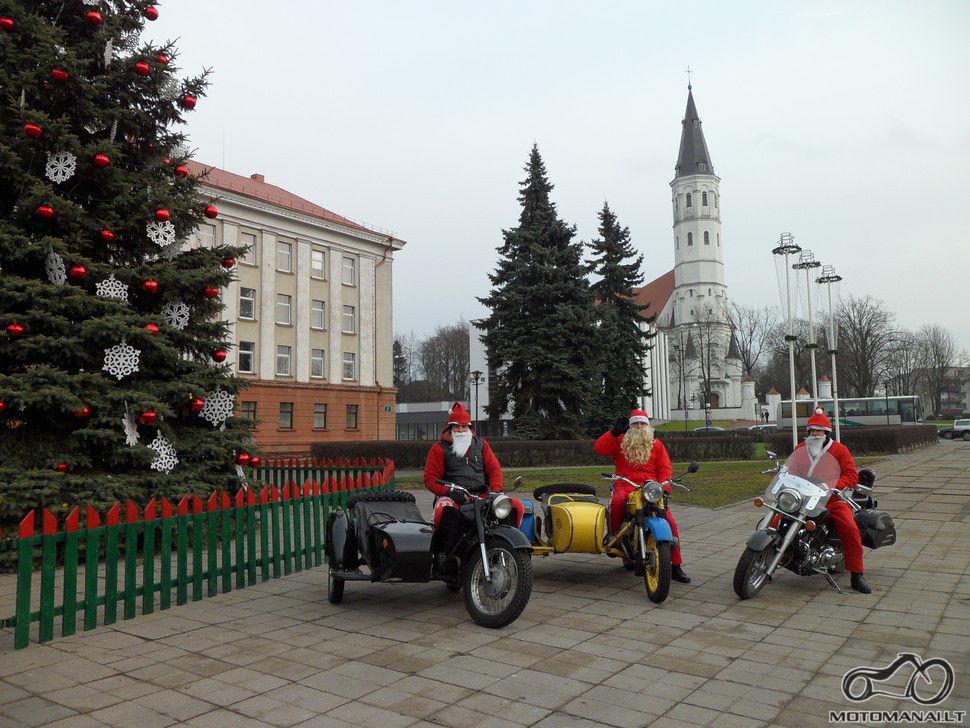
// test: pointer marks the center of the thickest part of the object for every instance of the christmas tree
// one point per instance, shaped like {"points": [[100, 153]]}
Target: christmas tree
{"points": [[111, 385]]}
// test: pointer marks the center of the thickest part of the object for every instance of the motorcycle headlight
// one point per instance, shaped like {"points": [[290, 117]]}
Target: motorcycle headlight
{"points": [[501, 506], [653, 491], [790, 501]]}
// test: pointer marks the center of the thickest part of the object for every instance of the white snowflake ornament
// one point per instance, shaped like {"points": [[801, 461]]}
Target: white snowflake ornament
{"points": [[121, 360], [108, 54], [56, 272], [131, 429], [161, 233], [170, 251], [165, 456], [60, 166], [176, 314], [111, 287], [218, 406]]}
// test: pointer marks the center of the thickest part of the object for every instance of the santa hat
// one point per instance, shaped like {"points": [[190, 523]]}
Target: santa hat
{"points": [[459, 415], [819, 421], [639, 416]]}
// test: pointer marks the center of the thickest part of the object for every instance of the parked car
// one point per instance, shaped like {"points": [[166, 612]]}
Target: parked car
{"points": [[961, 428], [767, 429], [709, 429]]}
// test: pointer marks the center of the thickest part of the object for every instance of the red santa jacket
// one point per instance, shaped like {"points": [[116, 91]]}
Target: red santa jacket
{"points": [[435, 466], [656, 468]]}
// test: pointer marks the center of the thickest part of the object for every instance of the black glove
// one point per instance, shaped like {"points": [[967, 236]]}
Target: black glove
{"points": [[621, 425], [458, 496]]}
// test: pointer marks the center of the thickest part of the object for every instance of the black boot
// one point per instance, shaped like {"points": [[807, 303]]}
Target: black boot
{"points": [[859, 583], [677, 574]]}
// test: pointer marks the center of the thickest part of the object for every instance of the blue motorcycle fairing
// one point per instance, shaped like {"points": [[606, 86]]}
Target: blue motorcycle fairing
{"points": [[760, 540], [659, 528]]}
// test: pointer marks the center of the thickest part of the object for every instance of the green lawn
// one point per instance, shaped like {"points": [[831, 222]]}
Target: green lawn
{"points": [[715, 484]]}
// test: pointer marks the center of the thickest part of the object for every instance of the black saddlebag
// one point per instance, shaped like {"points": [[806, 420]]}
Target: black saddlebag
{"points": [[876, 528], [395, 540]]}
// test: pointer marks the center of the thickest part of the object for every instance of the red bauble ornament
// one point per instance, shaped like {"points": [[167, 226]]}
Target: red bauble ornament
{"points": [[61, 467], [77, 272], [150, 286], [211, 212], [162, 215], [142, 68], [162, 58], [106, 235], [181, 171], [228, 262], [83, 413], [243, 459], [151, 13], [59, 75], [94, 18], [3, 406], [45, 211], [188, 101], [7, 23], [211, 291], [15, 330], [219, 355], [32, 130], [147, 418], [196, 404], [151, 329], [101, 160]]}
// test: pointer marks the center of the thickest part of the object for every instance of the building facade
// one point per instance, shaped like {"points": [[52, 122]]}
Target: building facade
{"points": [[310, 313]]}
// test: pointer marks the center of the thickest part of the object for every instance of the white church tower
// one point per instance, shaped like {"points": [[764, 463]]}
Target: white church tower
{"points": [[704, 367]]}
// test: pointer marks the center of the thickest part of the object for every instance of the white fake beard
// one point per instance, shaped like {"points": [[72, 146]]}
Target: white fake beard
{"points": [[460, 442], [815, 445]]}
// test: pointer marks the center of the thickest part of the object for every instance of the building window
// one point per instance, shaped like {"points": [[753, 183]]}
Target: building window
{"points": [[206, 233], [715, 201], [350, 320], [247, 303], [320, 416], [351, 417], [677, 242], [283, 308], [284, 256], [704, 199], [350, 272], [248, 241], [317, 363], [247, 410], [283, 360], [286, 415], [676, 202], [719, 240], [688, 199], [350, 365], [690, 238], [247, 356], [707, 238], [318, 264], [701, 166], [318, 315]]}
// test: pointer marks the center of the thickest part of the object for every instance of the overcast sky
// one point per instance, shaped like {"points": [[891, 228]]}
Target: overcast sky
{"points": [[846, 124]]}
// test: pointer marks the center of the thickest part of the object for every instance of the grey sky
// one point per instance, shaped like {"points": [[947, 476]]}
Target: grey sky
{"points": [[844, 123]]}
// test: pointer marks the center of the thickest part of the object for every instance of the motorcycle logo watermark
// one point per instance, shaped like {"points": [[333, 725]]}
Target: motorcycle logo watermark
{"points": [[930, 683]]}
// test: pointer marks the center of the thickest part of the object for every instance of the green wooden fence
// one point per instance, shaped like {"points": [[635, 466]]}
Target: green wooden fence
{"points": [[166, 555]]}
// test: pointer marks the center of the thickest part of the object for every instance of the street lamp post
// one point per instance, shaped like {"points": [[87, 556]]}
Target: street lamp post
{"points": [[828, 278], [477, 378], [786, 247], [886, 385], [807, 263]]}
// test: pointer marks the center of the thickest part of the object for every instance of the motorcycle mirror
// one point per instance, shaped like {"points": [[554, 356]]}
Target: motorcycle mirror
{"points": [[770, 455], [693, 467]]}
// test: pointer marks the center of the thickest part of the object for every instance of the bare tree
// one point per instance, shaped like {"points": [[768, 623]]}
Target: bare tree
{"points": [[904, 369], [444, 361], [754, 329], [866, 338], [939, 355], [406, 347]]}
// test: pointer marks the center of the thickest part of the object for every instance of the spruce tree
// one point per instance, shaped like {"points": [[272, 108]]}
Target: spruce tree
{"points": [[111, 385], [622, 344], [539, 333]]}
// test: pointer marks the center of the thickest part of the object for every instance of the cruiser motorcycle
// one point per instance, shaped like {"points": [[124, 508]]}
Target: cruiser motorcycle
{"points": [[796, 534], [476, 548]]}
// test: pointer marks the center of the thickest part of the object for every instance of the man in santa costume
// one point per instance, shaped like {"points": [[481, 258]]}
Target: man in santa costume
{"points": [[806, 461], [637, 455], [463, 458]]}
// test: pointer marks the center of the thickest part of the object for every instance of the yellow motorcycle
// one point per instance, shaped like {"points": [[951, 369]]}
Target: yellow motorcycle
{"points": [[569, 518]]}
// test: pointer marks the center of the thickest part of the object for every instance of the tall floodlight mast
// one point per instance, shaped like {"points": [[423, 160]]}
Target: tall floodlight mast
{"points": [[828, 279], [786, 248]]}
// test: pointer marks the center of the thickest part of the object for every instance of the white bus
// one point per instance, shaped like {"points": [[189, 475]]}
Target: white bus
{"points": [[857, 411]]}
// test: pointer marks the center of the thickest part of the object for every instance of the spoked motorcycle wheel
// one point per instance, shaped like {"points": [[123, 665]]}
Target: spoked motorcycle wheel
{"points": [[498, 602], [335, 588], [656, 569], [751, 574]]}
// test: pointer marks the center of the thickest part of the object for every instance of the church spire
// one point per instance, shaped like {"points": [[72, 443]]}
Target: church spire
{"points": [[694, 157]]}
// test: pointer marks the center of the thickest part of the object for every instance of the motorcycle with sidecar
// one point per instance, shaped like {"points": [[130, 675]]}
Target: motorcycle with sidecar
{"points": [[569, 518], [382, 537]]}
